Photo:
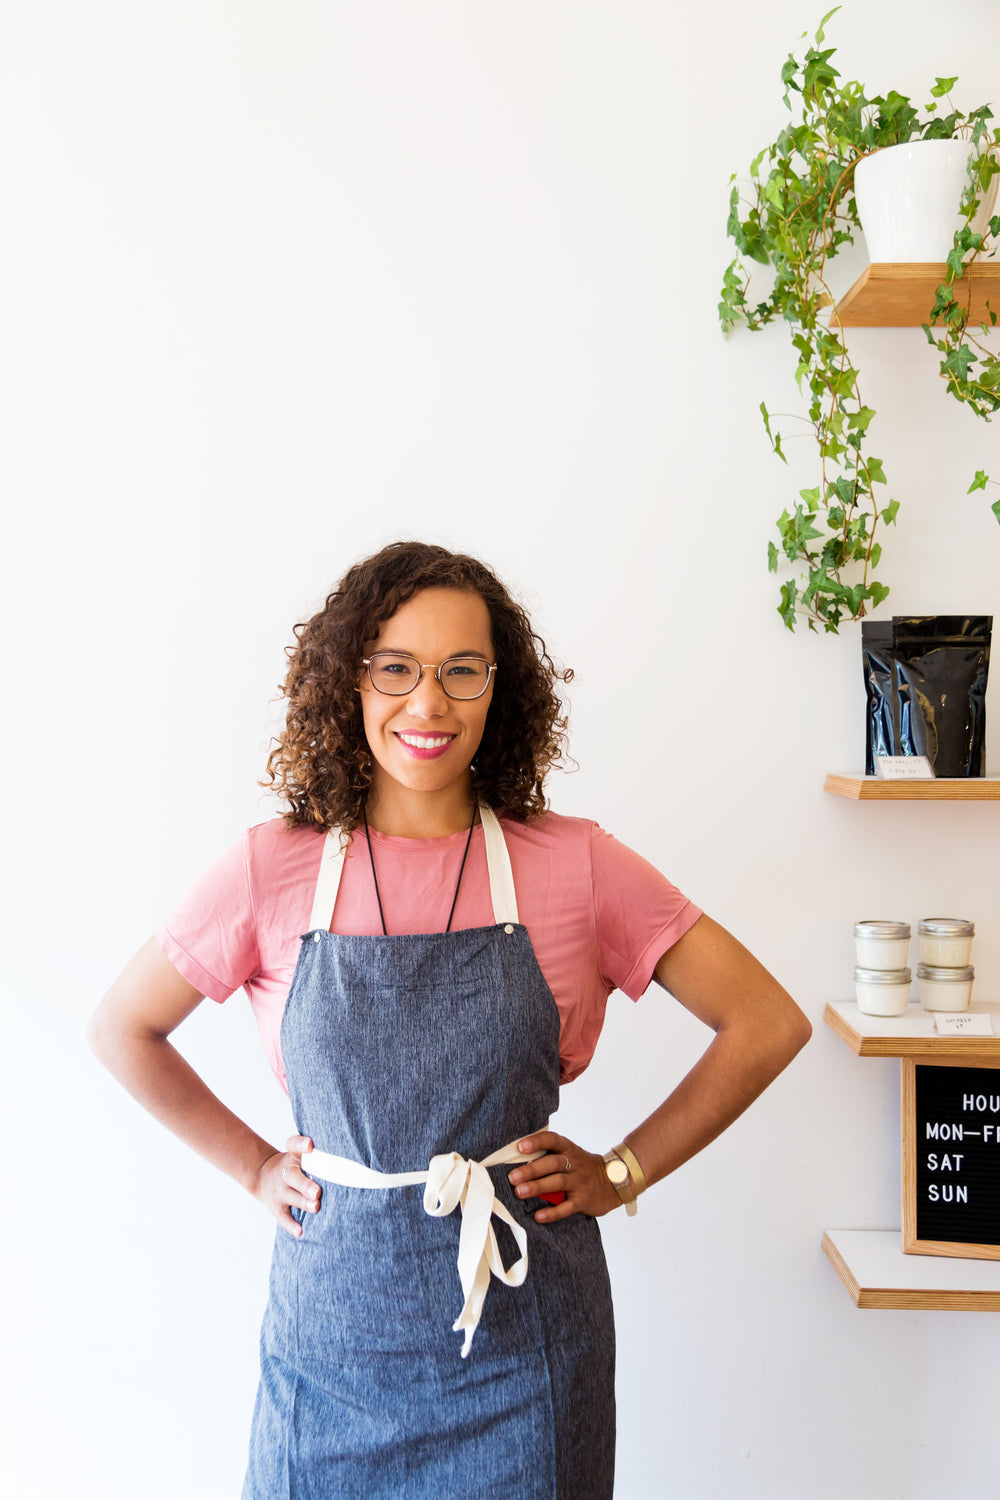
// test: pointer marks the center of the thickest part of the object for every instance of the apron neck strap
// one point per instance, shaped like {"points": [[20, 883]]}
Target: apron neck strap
{"points": [[498, 861], [331, 867]]}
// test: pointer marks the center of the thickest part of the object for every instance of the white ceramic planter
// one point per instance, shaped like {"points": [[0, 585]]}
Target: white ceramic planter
{"points": [[908, 199]]}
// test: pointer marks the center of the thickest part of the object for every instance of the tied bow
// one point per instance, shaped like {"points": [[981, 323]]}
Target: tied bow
{"points": [[452, 1182]]}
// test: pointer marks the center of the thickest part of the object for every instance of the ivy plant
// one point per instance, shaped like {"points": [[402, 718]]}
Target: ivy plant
{"points": [[795, 213]]}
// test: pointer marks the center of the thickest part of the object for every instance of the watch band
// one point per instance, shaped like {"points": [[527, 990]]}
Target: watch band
{"points": [[620, 1178], [628, 1157]]}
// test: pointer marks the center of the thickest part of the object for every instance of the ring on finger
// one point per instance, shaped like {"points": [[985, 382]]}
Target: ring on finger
{"points": [[569, 1165], [284, 1170]]}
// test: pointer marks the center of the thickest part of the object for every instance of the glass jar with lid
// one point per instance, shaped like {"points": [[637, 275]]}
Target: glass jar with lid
{"points": [[945, 988], [882, 992], [879, 944], [946, 942]]}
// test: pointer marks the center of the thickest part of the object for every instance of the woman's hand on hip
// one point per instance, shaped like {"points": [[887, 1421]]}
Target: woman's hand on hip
{"points": [[282, 1185], [564, 1168]]}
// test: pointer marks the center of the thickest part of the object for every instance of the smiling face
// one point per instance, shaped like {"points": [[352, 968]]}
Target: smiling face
{"points": [[423, 742]]}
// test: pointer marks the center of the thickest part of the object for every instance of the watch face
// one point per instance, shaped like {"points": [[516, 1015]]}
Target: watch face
{"points": [[617, 1172]]}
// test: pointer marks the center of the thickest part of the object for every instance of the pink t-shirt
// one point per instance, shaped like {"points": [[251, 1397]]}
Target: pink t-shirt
{"points": [[599, 916]]}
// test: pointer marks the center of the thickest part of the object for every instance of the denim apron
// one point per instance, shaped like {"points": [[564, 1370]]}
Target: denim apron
{"points": [[420, 1057]]}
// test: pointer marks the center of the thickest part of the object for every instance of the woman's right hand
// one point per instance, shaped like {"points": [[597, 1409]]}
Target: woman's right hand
{"points": [[282, 1185]]}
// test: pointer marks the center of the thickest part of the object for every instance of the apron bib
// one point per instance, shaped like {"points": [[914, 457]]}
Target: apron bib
{"points": [[399, 1050]]}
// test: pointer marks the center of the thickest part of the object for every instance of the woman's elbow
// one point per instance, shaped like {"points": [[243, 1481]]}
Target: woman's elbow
{"points": [[99, 1035], [795, 1031]]}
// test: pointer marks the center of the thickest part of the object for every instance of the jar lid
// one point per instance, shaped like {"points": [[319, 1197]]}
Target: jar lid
{"points": [[882, 976], [945, 927], [945, 976], [883, 931]]}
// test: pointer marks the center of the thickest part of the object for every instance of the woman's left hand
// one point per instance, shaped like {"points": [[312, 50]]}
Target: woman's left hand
{"points": [[565, 1168]]}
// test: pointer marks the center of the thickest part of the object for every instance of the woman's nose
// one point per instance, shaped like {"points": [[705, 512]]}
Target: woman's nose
{"points": [[428, 698]]}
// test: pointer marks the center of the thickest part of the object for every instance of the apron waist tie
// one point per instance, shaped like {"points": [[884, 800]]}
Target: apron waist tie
{"points": [[451, 1181]]}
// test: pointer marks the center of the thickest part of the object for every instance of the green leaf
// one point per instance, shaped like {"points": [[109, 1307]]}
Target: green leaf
{"points": [[876, 474], [955, 261], [772, 558], [774, 437], [788, 73], [818, 71], [995, 508], [786, 609], [775, 192], [732, 304], [820, 37], [879, 592], [959, 362], [943, 86], [888, 512], [893, 103], [980, 482]]}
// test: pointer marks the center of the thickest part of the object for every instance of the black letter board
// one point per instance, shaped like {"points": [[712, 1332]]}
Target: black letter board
{"points": [[951, 1159]]}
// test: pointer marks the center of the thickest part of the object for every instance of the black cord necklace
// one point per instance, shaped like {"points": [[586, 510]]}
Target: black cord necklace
{"points": [[461, 870]]}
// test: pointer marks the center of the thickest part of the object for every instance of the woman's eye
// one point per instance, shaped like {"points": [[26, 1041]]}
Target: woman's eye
{"points": [[465, 669]]}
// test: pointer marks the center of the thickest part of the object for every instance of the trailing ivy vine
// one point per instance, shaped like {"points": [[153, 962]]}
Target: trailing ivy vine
{"points": [[795, 214]]}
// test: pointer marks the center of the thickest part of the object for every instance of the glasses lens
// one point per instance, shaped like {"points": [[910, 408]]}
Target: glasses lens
{"points": [[393, 674], [465, 677]]}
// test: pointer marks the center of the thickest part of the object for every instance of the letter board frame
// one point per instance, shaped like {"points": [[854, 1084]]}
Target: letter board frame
{"points": [[968, 1224]]}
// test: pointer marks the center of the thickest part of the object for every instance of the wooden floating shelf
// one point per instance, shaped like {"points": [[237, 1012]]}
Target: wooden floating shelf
{"points": [[900, 295], [874, 1269], [912, 1035], [938, 789]]}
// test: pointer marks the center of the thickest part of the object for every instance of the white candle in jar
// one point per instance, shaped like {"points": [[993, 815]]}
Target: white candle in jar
{"points": [[879, 944], [945, 988], [882, 992], [946, 942]]}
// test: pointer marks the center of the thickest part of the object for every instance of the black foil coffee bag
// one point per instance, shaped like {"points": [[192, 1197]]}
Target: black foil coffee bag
{"points": [[925, 679]]}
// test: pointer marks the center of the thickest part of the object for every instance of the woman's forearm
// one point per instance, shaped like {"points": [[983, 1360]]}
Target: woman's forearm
{"points": [[735, 1068], [163, 1082], [129, 1033], [758, 1030]]}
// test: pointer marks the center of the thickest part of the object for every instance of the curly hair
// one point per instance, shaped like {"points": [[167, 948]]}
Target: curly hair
{"points": [[321, 764]]}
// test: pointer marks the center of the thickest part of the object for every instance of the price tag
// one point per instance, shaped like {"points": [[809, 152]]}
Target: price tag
{"points": [[968, 1023], [903, 768]]}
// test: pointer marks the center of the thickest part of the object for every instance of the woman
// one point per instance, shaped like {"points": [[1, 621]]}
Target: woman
{"points": [[459, 946]]}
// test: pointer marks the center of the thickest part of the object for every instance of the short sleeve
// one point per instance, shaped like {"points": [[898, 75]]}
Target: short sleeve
{"points": [[211, 936], [639, 914]]}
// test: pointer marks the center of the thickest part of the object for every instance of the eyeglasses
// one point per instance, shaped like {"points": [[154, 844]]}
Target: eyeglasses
{"points": [[460, 677]]}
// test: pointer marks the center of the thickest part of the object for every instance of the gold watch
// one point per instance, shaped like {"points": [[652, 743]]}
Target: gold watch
{"points": [[621, 1179]]}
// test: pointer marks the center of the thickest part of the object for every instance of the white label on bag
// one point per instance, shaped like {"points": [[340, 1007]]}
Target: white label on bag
{"points": [[966, 1024], [903, 768]]}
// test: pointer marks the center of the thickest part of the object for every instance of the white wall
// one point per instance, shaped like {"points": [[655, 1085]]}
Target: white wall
{"points": [[281, 283]]}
